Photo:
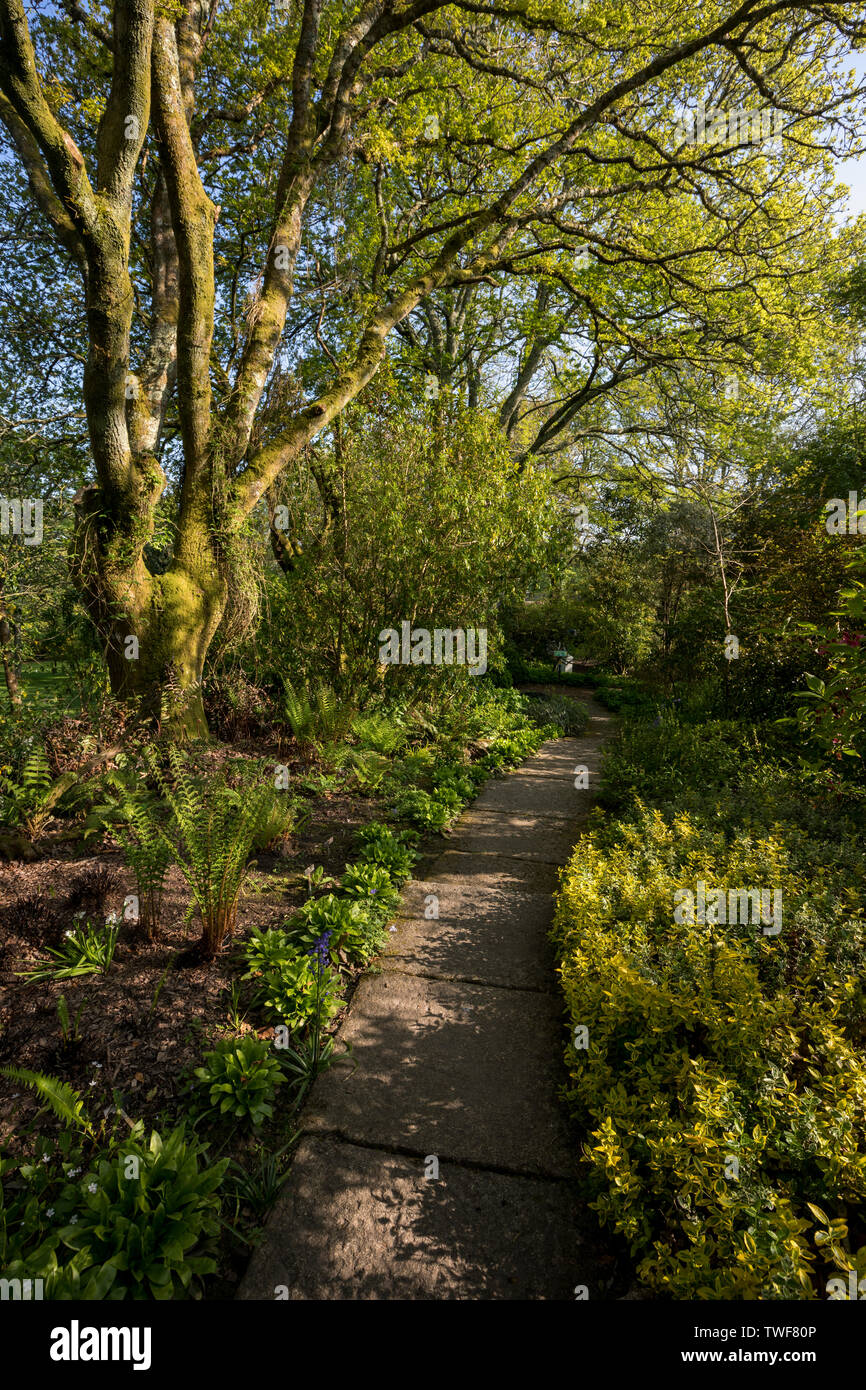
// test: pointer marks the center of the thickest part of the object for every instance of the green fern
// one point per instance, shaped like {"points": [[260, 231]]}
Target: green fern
{"points": [[216, 832], [31, 801], [299, 713], [148, 853], [318, 721], [66, 1103], [378, 732]]}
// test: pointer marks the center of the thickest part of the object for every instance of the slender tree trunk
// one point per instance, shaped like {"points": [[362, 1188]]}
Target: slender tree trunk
{"points": [[9, 671]]}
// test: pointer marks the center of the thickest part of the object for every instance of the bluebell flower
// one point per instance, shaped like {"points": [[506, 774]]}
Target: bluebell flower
{"points": [[321, 949]]}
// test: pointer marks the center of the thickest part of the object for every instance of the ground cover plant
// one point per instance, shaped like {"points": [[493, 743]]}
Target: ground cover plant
{"points": [[718, 1067]]}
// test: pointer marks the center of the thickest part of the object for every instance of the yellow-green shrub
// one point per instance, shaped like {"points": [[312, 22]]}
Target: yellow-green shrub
{"points": [[712, 1044]]}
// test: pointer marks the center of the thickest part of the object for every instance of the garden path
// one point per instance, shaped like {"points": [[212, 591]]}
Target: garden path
{"points": [[441, 1165]]}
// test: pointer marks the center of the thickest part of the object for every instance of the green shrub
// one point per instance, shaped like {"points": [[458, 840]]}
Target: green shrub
{"points": [[722, 1077], [353, 930], [424, 810], [240, 1077], [379, 732], [371, 884]]}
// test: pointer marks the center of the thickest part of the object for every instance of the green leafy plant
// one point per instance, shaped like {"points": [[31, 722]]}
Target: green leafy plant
{"points": [[86, 950], [148, 853], [240, 1077], [426, 811], [30, 800], [319, 719], [379, 732], [288, 986], [724, 1064], [393, 849], [216, 828], [317, 878], [149, 1217], [259, 1189], [353, 930], [276, 819], [372, 885], [70, 1032], [65, 1102]]}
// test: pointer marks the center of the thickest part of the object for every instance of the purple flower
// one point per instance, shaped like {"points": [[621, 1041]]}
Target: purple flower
{"points": [[321, 949]]}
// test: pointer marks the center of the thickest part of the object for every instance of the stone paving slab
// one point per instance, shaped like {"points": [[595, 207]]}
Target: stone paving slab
{"points": [[467, 1235], [544, 784], [463, 870], [482, 935], [463, 1071], [492, 924], [548, 839]]}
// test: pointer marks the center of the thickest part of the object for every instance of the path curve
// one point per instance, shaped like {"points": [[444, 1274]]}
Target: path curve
{"points": [[442, 1165]]}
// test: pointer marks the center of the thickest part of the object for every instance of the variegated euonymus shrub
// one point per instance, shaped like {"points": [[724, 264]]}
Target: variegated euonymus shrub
{"points": [[718, 1068]]}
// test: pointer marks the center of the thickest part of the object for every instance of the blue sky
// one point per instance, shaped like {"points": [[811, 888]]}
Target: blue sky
{"points": [[853, 171]]}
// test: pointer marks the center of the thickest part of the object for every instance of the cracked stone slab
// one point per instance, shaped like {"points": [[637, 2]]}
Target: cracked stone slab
{"points": [[360, 1223], [486, 932], [545, 784], [549, 839], [460, 1070]]}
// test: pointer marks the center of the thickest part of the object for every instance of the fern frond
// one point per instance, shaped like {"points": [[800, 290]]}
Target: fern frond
{"points": [[66, 1103]]}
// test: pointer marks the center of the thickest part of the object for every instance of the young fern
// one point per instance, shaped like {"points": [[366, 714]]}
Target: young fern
{"points": [[322, 720], [148, 853], [31, 801], [216, 831]]}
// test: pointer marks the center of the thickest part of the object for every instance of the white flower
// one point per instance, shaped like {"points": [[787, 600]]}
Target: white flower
{"points": [[73, 1220], [97, 1064], [92, 1083], [50, 1211], [46, 1158], [91, 1187], [72, 1172], [111, 919]]}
